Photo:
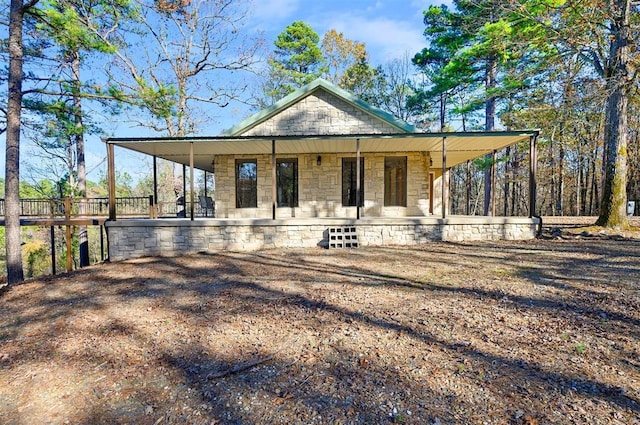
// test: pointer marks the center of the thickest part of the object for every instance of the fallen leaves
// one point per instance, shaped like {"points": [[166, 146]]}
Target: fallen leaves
{"points": [[440, 334]]}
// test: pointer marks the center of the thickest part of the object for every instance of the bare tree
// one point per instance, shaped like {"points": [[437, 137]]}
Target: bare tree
{"points": [[193, 58]]}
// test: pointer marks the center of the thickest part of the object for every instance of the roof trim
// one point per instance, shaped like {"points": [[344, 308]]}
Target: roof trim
{"points": [[230, 138], [307, 90]]}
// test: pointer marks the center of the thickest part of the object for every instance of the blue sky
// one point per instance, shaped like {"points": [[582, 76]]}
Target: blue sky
{"points": [[389, 29]]}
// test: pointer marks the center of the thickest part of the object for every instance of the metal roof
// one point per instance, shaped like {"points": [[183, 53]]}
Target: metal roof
{"points": [[460, 146]]}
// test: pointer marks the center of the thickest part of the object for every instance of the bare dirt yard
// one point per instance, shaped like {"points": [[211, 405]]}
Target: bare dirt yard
{"points": [[545, 331]]}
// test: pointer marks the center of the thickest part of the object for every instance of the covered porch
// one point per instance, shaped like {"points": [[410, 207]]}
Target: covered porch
{"points": [[433, 154]]}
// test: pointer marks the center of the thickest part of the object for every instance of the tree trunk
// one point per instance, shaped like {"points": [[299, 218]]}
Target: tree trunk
{"points": [[15, 272], [83, 238], [560, 189], [619, 82], [490, 115]]}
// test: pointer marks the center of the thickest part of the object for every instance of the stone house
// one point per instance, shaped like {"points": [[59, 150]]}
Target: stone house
{"points": [[317, 161]]}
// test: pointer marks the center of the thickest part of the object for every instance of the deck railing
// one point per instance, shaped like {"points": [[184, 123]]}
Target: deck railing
{"points": [[133, 206]]}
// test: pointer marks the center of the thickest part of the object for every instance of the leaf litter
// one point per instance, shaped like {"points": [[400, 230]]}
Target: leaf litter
{"points": [[545, 331]]}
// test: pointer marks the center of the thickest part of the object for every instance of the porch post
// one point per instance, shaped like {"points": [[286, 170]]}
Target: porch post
{"points": [[191, 184], [184, 188], [533, 168], [444, 177], [358, 171], [155, 181], [468, 209], [274, 189], [111, 177], [493, 182]]}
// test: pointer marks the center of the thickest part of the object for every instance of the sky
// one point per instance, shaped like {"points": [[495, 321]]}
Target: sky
{"points": [[390, 29]]}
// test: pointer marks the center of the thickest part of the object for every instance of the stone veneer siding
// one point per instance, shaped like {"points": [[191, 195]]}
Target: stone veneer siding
{"points": [[321, 113], [173, 237]]}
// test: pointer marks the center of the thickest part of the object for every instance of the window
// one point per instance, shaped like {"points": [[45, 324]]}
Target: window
{"points": [[395, 181], [287, 182], [246, 183], [349, 182]]}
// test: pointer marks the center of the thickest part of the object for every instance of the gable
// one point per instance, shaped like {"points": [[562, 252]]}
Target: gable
{"points": [[319, 108]]}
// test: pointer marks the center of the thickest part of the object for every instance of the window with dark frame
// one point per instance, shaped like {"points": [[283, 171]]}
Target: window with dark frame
{"points": [[246, 183], [287, 182], [349, 182], [395, 181]]}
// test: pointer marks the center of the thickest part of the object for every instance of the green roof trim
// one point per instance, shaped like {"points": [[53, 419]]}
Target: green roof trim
{"points": [[307, 90]]}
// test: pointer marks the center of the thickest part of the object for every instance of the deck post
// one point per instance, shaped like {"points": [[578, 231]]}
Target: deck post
{"points": [[274, 192], [68, 235], [358, 171], [191, 183], [444, 177], [111, 177], [533, 168], [52, 234]]}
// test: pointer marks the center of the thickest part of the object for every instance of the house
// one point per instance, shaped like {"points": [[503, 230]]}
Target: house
{"points": [[322, 158]]}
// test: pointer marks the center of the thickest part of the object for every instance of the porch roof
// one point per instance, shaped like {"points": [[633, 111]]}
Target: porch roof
{"points": [[460, 146]]}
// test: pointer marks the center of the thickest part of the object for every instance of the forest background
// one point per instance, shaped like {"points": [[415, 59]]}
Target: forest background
{"points": [[172, 68]]}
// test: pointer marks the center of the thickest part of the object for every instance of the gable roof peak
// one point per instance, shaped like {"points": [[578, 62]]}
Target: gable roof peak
{"points": [[308, 89]]}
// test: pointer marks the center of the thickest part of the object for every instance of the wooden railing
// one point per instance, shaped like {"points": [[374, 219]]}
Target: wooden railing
{"points": [[80, 207], [134, 206]]}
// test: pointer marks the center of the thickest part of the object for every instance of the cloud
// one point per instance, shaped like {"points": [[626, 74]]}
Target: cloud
{"points": [[270, 13], [385, 38]]}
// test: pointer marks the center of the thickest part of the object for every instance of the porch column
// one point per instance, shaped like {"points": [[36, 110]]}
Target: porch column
{"points": [[493, 182], [358, 171], [274, 189], [468, 207], [444, 177], [191, 184], [184, 189], [155, 181], [533, 169], [111, 177]]}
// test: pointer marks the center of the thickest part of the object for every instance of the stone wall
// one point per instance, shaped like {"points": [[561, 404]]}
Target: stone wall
{"points": [[321, 113], [173, 237]]}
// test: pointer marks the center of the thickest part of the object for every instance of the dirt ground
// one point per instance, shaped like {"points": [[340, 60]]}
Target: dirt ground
{"points": [[545, 331]]}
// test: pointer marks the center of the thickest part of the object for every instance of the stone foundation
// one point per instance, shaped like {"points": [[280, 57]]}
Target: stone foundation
{"points": [[172, 237]]}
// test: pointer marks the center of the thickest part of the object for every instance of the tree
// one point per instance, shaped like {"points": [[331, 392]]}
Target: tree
{"points": [[619, 71], [15, 272], [446, 34], [78, 28], [194, 57], [341, 54], [297, 60], [603, 35]]}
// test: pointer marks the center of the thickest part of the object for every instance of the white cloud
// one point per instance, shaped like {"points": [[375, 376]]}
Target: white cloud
{"points": [[386, 39], [270, 13]]}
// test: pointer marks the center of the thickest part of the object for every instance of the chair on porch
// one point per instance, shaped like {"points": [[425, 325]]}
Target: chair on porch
{"points": [[207, 205]]}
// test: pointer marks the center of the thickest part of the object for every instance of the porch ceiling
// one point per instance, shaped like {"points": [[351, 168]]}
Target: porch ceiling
{"points": [[460, 147]]}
